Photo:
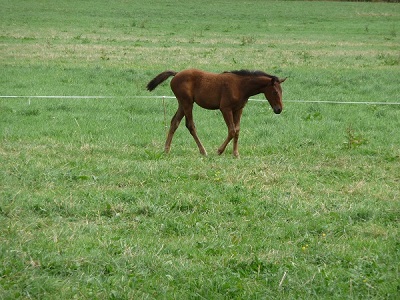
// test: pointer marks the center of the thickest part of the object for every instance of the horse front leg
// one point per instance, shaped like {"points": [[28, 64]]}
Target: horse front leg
{"points": [[236, 119], [228, 117]]}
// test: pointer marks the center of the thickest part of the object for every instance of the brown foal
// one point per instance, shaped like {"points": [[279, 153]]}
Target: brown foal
{"points": [[228, 92]]}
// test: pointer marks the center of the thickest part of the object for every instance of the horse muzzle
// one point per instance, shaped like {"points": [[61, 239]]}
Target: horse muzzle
{"points": [[277, 110]]}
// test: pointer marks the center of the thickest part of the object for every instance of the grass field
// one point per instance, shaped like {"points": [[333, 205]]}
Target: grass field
{"points": [[90, 207]]}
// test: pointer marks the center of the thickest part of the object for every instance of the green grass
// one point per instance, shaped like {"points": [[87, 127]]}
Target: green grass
{"points": [[90, 207]]}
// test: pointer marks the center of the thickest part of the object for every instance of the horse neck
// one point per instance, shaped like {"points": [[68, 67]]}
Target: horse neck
{"points": [[255, 85]]}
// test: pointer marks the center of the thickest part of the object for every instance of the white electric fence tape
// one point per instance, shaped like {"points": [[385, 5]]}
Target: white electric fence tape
{"points": [[171, 97]]}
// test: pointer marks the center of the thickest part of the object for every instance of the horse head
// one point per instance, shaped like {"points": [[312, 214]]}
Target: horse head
{"points": [[273, 93]]}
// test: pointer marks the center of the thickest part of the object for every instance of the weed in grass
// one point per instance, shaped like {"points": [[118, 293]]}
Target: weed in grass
{"points": [[354, 139], [247, 40], [389, 60]]}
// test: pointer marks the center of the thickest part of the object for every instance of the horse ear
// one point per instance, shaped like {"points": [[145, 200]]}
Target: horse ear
{"points": [[282, 80]]}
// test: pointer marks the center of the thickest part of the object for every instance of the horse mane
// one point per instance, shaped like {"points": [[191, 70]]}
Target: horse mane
{"points": [[252, 73]]}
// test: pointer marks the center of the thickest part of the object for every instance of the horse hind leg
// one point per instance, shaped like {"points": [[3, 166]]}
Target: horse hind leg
{"points": [[176, 120], [192, 129]]}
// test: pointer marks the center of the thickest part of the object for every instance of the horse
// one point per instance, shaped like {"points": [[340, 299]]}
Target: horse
{"points": [[228, 91]]}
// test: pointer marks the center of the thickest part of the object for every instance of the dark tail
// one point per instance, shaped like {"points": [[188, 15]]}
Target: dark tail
{"points": [[159, 79]]}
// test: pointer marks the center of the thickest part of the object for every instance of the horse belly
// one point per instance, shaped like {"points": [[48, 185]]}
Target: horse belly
{"points": [[207, 102], [208, 93]]}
